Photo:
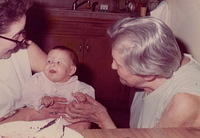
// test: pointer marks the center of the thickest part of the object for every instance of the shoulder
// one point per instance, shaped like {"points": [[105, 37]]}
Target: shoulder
{"points": [[185, 103], [82, 86], [21, 58], [86, 88], [81, 83], [183, 110], [37, 57], [185, 99]]}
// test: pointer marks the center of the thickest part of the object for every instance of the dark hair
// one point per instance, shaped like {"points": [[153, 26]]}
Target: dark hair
{"points": [[72, 53], [11, 11]]}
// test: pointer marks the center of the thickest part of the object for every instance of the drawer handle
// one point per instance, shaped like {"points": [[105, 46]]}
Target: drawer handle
{"points": [[80, 48], [87, 47]]}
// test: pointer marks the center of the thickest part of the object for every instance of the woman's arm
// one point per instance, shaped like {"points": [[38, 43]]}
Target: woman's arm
{"points": [[90, 111], [36, 56], [79, 126], [30, 114], [183, 111]]}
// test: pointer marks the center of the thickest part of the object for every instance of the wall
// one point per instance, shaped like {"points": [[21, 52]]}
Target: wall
{"points": [[183, 16], [185, 22]]}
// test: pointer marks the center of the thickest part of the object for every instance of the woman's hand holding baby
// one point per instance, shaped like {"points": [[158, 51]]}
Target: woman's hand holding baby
{"points": [[47, 101], [57, 105], [87, 109]]}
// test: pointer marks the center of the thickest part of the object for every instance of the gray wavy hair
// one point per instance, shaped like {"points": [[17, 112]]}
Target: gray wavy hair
{"points": [[146, 45]]}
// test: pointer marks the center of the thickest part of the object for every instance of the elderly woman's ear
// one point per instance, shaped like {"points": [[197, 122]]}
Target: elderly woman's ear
{"points": [[150, 78]]}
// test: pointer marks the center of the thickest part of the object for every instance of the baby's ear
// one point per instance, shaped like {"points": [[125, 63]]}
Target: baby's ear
{"points": [[73, 70]]}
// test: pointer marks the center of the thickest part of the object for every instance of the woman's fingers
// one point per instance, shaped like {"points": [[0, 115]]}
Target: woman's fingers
{"points": [[85, 97], [58, 106], [91, 100], [91, 106], [81, 108], [80, 97], [73, 112], [91, 118], [75, 120], [55, 110], [49, 113], [59, 99], [90, 110]]}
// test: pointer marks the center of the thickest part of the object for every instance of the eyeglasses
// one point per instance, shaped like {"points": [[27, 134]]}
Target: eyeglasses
{"points": [[23, 43]]}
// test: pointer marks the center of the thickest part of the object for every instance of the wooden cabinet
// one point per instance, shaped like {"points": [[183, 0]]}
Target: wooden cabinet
{"points": [[85, 33]]}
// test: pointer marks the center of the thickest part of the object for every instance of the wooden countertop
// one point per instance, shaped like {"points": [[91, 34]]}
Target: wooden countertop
{"points": [[143, 133], [86, 14]]}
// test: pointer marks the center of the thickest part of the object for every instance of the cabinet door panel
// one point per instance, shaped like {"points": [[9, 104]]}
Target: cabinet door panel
{"points": [[106, 81], [109, 91]]}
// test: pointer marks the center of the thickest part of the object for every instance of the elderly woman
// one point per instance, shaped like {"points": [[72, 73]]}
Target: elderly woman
{"points": [[146, 56], [18, 58]]}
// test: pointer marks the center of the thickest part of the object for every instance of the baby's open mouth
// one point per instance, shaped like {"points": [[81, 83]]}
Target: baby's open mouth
{"points": [[52, 71]]}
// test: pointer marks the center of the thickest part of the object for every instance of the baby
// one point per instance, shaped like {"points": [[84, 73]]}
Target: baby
{"points": [[56, 80]]}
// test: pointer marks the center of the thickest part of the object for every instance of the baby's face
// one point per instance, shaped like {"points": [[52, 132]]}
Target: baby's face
{"points": [[59, 66]]}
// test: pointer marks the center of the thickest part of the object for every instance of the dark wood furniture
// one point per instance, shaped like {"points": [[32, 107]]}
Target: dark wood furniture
{"points": [[113, 5]]}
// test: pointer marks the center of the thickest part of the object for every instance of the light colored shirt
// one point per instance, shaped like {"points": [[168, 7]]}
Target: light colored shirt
{"points": [[39, 86], [13, 73], [146, 110]]}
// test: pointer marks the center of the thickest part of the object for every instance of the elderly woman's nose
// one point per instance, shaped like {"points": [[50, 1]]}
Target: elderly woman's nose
{"points": [[113, 65]]}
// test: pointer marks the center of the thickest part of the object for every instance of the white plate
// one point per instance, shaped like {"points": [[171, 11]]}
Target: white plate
{"points": [[24, 129]]}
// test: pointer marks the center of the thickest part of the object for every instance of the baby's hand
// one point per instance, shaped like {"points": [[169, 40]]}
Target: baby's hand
{"points": [[47, 101], [79, 97]]}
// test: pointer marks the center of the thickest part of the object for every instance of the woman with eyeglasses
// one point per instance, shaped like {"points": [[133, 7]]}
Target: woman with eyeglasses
{"points": [[18, 58]]}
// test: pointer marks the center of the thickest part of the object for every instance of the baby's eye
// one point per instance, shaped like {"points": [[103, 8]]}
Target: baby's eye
{"points": [[58, 62], [48, 61]]}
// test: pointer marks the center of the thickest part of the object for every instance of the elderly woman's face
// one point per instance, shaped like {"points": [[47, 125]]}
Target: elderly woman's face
{"points": [[125, 76], [14, 32]]}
